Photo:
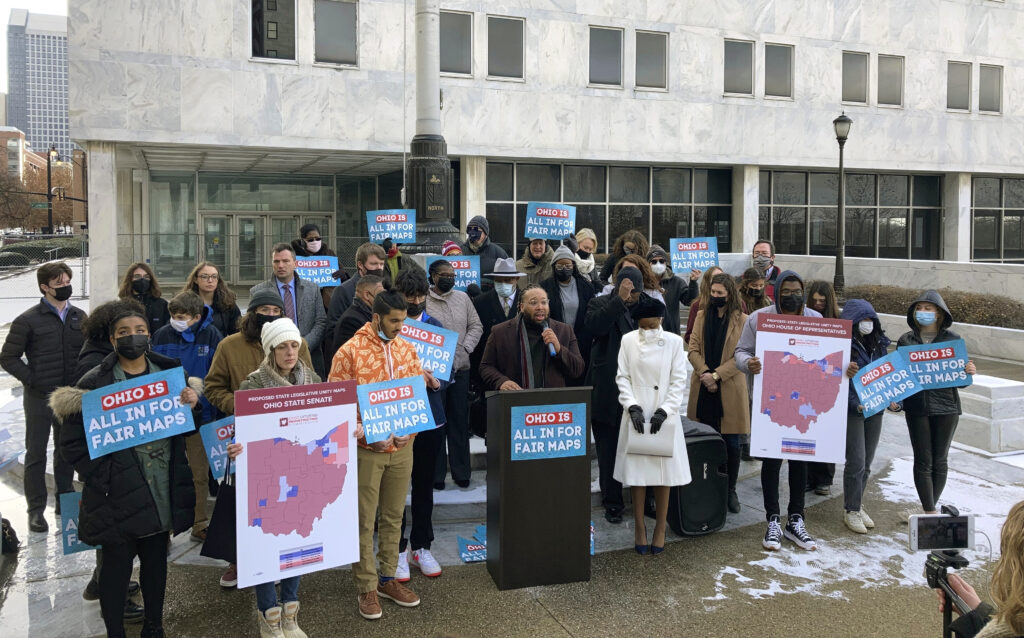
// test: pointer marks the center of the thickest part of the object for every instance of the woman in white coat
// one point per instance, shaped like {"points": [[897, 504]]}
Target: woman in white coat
{"points": [[652, 383]]}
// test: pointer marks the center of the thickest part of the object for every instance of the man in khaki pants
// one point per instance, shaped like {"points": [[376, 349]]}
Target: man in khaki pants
{"points": [[377, 352]]}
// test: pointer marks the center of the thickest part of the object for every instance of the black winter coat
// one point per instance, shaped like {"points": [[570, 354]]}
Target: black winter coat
{"points": [[676, 291], [226, 320], [584, 292], [489, 253], [607, 320], [488, 308], [50, 345], [354, 318], [156, 311], [942, 401], [93, 353], [117, 506]]}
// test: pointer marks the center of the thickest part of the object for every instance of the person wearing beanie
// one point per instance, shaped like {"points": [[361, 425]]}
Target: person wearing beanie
{"points": [[569, 293], [675, 291], [586, 246], [535, 262], [478, 242], [450, 248], [281, 367]]}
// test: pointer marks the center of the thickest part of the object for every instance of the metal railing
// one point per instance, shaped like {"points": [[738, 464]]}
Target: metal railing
{"points": [[21, 255]]}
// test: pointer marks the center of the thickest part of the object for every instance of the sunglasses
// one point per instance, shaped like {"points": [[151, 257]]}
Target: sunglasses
{"points": [[657, 261], [312, 239]]}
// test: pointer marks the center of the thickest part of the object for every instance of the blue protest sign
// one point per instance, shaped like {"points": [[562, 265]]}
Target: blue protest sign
{"points": [[471, 551], [592, 546], [216, 436], [695, 253], [481, 534], [70, 503], [396, 407], [467, 269], [885, 381], [399, 224], [549, 221], [548, 431], [318, 270], [938, 365], [434, 345], [136, 411]]}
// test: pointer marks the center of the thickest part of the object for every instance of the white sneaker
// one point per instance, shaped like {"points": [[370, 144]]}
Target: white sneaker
{"points": [[864, 518], [855, 523], [402, 572], [428, 565]]}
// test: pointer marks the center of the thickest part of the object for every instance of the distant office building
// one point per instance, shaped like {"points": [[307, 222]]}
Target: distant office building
{"points": [[19, 154], [37, 77]]}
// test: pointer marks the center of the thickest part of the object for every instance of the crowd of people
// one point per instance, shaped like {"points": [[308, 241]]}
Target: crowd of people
{"points": [[552, 318]]}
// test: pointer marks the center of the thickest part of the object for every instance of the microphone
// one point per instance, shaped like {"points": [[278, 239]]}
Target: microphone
{"points": [[551, 346]]}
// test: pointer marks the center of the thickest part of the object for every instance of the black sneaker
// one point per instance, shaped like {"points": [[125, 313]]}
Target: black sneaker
{"points": [[796, 532], [133, 613], [772, 540]]}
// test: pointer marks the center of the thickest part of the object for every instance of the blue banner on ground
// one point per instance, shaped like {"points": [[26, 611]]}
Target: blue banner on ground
{"points": [[318, 270], [548, 431], [471, 551], [695, 253], [549, 221], [398, 224], [70, 504], [885, 381], [136, 411], [938, 365], [396, 407], [435, 346], [216, 436], [481, 534], [467, 269]]}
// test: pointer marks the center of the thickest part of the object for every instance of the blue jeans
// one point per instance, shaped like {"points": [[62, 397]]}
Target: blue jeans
{"points": [[266, 595]]}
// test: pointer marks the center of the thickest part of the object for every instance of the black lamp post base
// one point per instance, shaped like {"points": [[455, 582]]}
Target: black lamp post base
{"points": [[428, 188]]}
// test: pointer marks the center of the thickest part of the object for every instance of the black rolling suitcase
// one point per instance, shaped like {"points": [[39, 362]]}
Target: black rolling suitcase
{"points": [[699, 508]]}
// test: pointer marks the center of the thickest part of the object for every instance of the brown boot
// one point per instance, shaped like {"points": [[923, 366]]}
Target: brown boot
{"points": [[399, 593], [369, 606]]}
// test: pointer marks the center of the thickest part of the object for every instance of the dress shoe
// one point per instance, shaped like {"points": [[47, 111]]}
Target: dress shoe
{"points": [[613, 516], [463, 483], [92, 590], [37, 523], [642, 549], [438, 485], [133, 613], [657, 550]]}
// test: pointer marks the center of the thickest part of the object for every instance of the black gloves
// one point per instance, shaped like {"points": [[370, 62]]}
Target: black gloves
{"points": [[571, 243], [657, 419], [636, 415]]}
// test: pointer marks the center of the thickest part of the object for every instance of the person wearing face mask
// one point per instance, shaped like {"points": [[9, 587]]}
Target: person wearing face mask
{"points": [[139, 283], [135, 499], [569, 293], [454, 309], [932, 415], [821, 296], [369, 261], [763, 258], [49, 336], [586, 245], [675, 290], [631, 242], [478, 242], [702, 300], [192, 339], [751, 288], [535, 262], [360, 311]]}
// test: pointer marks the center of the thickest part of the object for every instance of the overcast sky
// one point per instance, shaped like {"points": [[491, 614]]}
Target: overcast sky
{"points": [[53, 7]]}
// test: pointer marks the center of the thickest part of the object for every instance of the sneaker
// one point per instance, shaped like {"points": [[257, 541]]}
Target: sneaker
{"points": [[133, 613], [868, 523], [428, 565], [772, 540], [734, 502], [369, 606], [230, 577], [796, 532], [855, 523], [399, 593], [402, 571], [92, 590], [198, 535]]}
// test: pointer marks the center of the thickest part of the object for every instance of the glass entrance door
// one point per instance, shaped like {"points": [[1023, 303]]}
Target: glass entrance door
{"points": [[217, 242], [252, 252]]}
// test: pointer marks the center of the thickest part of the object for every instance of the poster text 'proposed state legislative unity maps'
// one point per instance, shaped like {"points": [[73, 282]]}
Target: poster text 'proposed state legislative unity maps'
{"points": [[800, 396]]}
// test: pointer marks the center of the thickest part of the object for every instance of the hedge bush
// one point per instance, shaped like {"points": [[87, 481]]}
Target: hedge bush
{"points": [[37, 250], [967, 307], [12, 260]]}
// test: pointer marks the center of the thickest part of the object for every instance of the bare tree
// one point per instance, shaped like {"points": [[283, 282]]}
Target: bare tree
{"points": [[15, 207]]}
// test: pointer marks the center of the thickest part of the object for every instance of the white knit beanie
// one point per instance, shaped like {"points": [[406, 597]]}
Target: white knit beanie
{"points": [[277, 332]]}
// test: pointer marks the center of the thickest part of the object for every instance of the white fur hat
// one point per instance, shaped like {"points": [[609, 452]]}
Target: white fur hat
{"points": [[277, 332]]}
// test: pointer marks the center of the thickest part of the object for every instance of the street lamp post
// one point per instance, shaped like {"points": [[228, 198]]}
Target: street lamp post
{"points": [[50, 156], [842, 128]]}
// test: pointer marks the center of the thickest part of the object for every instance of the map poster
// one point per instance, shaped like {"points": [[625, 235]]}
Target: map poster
{"points": [[70, 505], [318, 270], [396, 224], [216, 436], [467, 269], [434, 345], [296, 480], [549, 431], [938, 365], [695, 253], [397, 407], [801, 395], [549, 221], [885, 381]]}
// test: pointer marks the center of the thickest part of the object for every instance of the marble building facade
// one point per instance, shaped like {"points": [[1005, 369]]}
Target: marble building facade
{"points": [[678, 117]]}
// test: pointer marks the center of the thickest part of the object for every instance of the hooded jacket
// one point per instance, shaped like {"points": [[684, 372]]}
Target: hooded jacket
{"points": [[941, 401], [745, 347], [117, 506], [194, 348], [857, 310], [677, 291], [489, 253], [535, 272]]}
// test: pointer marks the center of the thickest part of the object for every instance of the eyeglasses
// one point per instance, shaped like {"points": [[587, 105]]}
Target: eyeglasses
{"points": [[208, 277], [470, 229]]}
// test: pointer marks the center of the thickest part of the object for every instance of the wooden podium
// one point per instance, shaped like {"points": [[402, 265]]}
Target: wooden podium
{"points": [[538, 487]]}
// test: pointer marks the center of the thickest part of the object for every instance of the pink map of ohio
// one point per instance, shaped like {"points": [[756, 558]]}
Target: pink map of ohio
{"points": [[291, 483], [795, 392]]}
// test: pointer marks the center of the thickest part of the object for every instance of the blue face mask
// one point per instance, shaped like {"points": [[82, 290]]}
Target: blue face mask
{"points": [[925, 317], [504, 289], [383, 337]]}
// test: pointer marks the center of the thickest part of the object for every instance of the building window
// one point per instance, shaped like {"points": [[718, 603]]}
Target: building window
{"points": [[998, 220], [778, 70], [958, 86], [651, 60], [273, 29], [739, 67], [606, 56], [504, 47], [888, 216], [855, 77], [336, 32], [990, 90], [456, 42], [271, 5], [890, 80]]}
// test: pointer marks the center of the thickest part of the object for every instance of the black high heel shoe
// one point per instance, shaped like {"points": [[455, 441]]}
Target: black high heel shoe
{"points": [[642, 549]]}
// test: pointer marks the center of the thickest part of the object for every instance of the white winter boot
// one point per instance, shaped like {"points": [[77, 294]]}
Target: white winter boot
{"points": [[290, 622], [270, 623]]}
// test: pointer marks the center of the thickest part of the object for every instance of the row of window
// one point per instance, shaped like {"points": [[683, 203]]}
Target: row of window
{"points": [[997, 220]]}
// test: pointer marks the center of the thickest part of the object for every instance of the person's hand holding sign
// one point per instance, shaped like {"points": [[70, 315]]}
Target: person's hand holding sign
{"points": [[234, 449], [970, 368], [851, 369], [402, 441], [754, 365], [358, 432], [509, 385], [189, 397], [431, 382], [383, 446]]}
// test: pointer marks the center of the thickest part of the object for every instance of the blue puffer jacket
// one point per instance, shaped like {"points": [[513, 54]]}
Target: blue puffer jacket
{"points": [[194, 348], [436, 397], [868, 348]]}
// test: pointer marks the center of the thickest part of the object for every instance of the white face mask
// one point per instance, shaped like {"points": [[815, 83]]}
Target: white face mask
{"points": [[314, 246], [866, 327], [179, 324], [659, 269], [505, 289], [649, 334]]}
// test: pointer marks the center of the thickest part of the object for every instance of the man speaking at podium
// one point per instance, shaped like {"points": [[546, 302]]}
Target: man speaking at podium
{"points": [[531, 351]]}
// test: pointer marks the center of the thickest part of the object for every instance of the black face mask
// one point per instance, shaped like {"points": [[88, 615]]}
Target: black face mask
{"points": [[62, 293], [563, 274], [756, 293], [132, 347], [415, 310], [445, 284], [379, 273], [718, 302], [141, 286], [262, 320], [791, 303], [584, 255]]}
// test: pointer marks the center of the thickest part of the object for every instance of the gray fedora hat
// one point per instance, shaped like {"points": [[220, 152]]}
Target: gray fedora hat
{"points": [[505, 268]]}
